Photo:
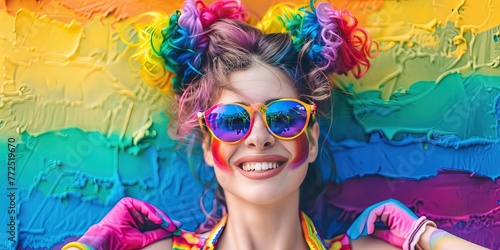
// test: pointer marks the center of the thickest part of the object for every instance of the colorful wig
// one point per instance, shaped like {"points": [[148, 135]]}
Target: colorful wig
{"points": [[335, 44]]}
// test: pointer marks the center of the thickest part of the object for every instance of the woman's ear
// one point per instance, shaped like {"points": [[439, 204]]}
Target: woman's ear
{"points": [[207, 151], [313, 137]]}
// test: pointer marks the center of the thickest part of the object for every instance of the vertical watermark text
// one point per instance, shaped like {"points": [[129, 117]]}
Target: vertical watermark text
{"points": [[11, 190]]}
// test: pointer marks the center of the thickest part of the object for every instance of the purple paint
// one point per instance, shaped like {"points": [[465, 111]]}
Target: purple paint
{"points": [[302, 151]]}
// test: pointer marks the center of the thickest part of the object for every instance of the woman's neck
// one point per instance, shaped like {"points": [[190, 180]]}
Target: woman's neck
{"points": [[251, 226]]}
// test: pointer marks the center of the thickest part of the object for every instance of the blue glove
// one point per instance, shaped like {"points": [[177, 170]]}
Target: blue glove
{"points": [[391, 221]]}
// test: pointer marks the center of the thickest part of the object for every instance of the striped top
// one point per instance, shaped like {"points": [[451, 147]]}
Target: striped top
{"points": [[191, 241]]}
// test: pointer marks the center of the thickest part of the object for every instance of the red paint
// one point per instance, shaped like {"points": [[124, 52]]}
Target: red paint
{"points": [[219, 159], [302, 151]]}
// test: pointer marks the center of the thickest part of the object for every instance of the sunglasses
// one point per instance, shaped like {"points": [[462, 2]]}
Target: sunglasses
{"points": [[285, 119]]}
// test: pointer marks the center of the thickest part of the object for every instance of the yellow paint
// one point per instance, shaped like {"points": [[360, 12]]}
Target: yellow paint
{"points": [[422, 40], [477, 15], [58, 75], [45, 35]]}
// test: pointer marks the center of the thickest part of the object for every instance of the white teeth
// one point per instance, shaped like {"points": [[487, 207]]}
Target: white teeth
{"points": [[265, 166], [259, 166]]}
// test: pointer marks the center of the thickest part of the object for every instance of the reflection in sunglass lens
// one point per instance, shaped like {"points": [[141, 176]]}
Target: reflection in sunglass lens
{"points": [[229, 122], [286, 118]]}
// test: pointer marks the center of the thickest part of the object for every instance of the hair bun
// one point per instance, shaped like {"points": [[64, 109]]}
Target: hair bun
{"points": [[185, 39], [345, 47], [336, 43]]}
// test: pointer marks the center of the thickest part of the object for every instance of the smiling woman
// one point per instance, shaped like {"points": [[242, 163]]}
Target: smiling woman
{"points": [[261, 84], [252, 97]]}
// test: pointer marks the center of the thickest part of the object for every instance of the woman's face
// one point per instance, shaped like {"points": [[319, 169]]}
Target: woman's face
{"points": [[260, 84]]}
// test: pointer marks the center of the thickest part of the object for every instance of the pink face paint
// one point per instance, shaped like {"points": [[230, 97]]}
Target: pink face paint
{"points": [[219, 159], [301, 151]]}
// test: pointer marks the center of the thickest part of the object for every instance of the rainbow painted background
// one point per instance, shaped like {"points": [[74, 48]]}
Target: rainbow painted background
{"points": [[422, 126]]}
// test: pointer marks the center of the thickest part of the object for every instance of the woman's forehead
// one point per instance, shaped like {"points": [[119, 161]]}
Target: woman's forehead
{"points": [[259, 83]]}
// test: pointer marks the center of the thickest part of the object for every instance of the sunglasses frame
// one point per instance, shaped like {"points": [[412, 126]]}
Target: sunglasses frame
{"points": [[260, 107]]}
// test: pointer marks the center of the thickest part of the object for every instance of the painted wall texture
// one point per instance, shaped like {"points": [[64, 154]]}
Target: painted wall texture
{"points": [[421, 126]]}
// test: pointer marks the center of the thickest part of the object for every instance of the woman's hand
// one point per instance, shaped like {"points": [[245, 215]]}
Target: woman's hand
{"points": [[391, 221], [131, 224]]}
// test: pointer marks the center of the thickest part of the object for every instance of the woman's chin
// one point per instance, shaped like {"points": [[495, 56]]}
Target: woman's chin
{"points": [[260, 196]]}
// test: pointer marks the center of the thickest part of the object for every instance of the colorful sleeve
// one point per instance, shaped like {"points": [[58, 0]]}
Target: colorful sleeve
{"points": [[340, 242], [77, 245], [187, 241]]}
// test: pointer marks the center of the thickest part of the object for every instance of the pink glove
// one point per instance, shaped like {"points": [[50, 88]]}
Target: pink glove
{"points": [[391, 221], [131, 224]]}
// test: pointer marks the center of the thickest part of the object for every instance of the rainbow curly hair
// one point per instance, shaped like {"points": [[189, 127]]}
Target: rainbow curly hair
{"points": [[338, 44], [186, 39], [322, 41]]}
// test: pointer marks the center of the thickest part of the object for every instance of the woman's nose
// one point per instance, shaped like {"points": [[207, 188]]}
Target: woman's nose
{"points": [[259, 137]]}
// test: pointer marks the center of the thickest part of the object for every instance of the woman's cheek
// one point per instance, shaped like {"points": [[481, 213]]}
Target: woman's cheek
{"points": [[301, 151], [219, 158]]}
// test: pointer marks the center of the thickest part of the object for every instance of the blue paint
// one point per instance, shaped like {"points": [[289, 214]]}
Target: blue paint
{"points": [[410, 159]]}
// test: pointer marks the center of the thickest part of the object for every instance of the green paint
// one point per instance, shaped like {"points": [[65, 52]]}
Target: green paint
{"points": [[461, 106]]}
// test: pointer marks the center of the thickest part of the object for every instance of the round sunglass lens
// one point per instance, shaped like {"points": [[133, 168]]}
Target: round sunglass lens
{"points": [[229, 122], [286, 118]]}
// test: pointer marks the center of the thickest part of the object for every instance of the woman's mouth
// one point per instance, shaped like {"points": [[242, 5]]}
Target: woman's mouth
{"points": [[260, 170], [259, 166]]}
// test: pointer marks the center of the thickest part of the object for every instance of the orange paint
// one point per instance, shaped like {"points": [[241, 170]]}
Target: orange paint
{"points": [[218, 155]]}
